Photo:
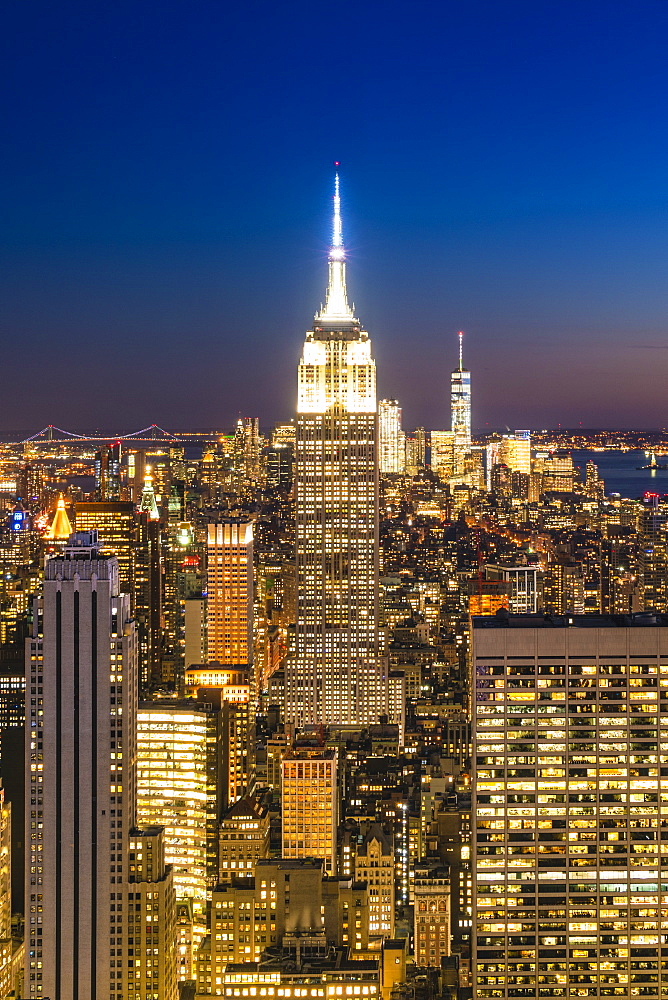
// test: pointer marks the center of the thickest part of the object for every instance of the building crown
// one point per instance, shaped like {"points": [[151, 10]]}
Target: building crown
{"points": [[336, 301]]}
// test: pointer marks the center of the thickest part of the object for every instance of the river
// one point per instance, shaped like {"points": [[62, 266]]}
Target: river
{"points": [[619, 470]]}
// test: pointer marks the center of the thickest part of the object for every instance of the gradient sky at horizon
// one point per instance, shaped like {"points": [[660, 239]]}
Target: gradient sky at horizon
{"points": [[166, 190]]}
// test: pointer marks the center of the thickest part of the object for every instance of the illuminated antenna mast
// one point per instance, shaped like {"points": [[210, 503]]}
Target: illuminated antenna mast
{"points": [[461, 350], [337, 251], [336, 302]]}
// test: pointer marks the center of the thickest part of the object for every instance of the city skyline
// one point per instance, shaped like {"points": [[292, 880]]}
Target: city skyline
{"points": [[503, 175]]}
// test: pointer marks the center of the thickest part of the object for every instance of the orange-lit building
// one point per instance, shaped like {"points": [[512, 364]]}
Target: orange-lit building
{"points": [[230, 591]]}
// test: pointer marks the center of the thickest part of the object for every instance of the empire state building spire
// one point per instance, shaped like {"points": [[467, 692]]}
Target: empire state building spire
{"points": [[336, 303], [338, 672]]}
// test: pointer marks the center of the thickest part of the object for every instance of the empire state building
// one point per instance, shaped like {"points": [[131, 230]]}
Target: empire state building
{"points": [[337, 673]]}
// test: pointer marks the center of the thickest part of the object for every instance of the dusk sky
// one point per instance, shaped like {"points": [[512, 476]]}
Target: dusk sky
{"points": [[166, 182]]}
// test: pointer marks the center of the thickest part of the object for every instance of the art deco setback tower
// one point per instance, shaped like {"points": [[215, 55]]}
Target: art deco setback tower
{"points": [[82, 663], [460, 409], [336, 674]]}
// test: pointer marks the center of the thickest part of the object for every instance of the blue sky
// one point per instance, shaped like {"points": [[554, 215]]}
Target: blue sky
{"points": [[166, 190]]}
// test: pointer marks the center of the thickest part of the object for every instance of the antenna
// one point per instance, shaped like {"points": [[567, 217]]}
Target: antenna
{"points": [[461, 350]]}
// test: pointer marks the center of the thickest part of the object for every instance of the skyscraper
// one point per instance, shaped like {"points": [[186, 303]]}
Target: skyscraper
{"points": [[309, 797], [230, 591], [81, 664], [391, 438], [179, 764], [108, 472], [86, 861], [442, 453], [335, 674], [460, 409], [570, 807]]}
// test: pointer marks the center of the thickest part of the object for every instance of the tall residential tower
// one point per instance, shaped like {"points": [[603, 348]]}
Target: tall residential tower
{"points": [[336, 673]]}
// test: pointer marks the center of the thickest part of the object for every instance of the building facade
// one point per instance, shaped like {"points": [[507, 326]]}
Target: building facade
{"points": [[570, 807], [460, 411], [179, 765], [310, 814], [391, 438], [81, 663], [230, 591], [336, 673]]}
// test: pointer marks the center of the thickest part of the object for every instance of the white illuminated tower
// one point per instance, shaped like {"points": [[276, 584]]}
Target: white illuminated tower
{"points": [[460, 408], [336, 673], [391, 438]]}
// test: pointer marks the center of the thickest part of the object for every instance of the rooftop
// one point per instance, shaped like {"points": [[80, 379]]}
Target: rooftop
{"points": [[503, 619]]}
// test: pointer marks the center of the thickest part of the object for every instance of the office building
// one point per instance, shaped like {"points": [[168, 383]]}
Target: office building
{"points": [[31, 487], [243, 839], [523, 582], [114, 523], [279, 460], [310, 805], [374, 865], [148, 589], [108, 472], [230, 692], [570, 809], [151, 914], [347, 978], [558, 472], [290, 905], [431, 914], [336, 673], [7, 970], [442, 453], [460, 411], [81, 664], [515, 451], [391, 438], [246, 452], [179, 765], [653, 555], [230, 591]]}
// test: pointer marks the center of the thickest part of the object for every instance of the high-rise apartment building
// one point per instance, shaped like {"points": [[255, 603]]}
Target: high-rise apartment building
{"points": [[81, 665], [336, 673], [570, 808], [310, 805], [391, 438], [460, 410], [230, 591]]}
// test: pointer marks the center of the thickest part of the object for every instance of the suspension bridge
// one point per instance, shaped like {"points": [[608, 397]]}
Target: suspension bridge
{"points": [[151, 434]]}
